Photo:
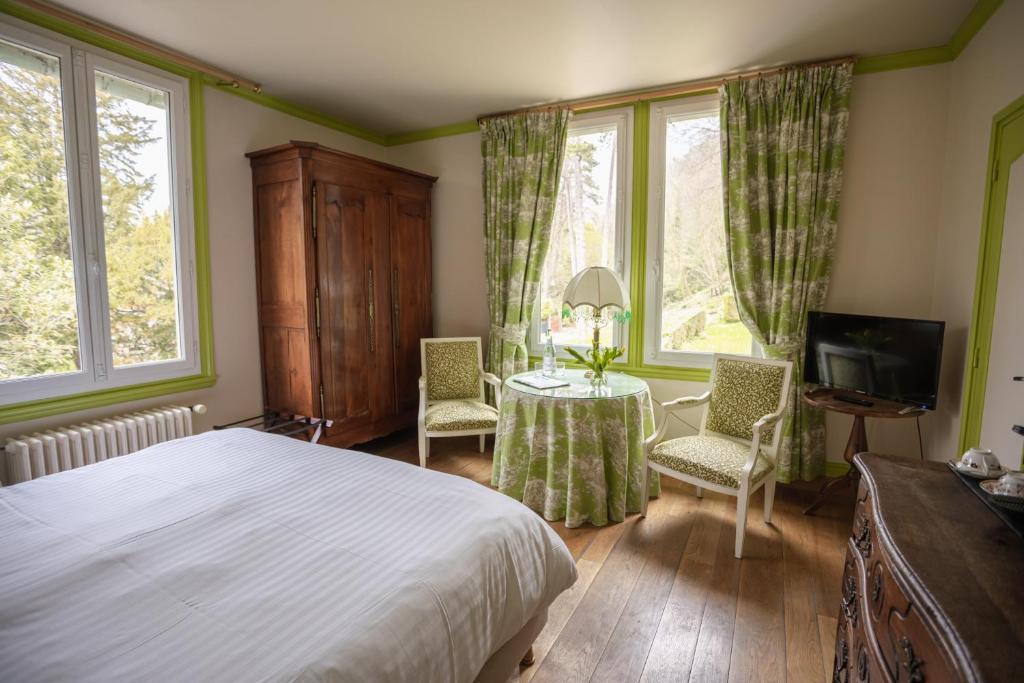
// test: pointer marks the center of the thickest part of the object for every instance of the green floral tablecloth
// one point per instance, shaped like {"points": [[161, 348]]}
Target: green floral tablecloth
{"points": [[575, 453]]}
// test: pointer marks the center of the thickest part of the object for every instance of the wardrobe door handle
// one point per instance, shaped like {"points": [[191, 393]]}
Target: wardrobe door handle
{"points": [[370, 315], [396, 306]]}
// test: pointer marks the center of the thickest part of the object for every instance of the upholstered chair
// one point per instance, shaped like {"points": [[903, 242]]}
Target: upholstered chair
{"points": [[734, 451], [452, 392]]}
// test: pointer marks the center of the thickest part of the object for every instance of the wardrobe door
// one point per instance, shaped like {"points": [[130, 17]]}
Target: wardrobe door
{"points": [[347, 282], [284, 277], [411, 317]]}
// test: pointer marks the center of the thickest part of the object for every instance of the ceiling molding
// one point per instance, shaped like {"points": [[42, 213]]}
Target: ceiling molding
{"points": [[969, 27], [909, 59], [972, 23], [431, 133]]}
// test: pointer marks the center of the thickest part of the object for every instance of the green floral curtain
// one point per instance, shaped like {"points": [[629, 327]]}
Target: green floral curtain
{"points": [[522, 156], [783, 138]]}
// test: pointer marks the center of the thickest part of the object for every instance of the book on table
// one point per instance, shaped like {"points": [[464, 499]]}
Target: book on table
{"points": [[541, 382]]}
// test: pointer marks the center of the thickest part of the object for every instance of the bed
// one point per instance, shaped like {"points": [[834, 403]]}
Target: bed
{"points": [[238, 555]]}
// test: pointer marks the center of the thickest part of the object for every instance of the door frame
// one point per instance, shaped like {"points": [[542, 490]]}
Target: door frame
{"points": [[1005, 147]]}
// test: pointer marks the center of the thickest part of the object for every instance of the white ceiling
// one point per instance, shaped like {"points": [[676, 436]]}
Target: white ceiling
{"points": [[399, 65]]}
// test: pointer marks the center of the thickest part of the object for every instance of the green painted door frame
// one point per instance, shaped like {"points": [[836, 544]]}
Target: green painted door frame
{"points": [[1005, 147]]}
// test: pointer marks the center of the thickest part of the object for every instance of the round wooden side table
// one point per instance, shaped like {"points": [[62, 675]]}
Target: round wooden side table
{"points": [[830, 399]]}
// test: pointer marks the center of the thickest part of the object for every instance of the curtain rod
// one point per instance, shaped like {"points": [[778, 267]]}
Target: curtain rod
{"points": [[224, 78], [688, 87]]}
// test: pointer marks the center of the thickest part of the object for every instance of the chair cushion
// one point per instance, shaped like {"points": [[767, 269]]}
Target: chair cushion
{"points": [[452, 370], [711, 459], [743, 393], [456, 416]]}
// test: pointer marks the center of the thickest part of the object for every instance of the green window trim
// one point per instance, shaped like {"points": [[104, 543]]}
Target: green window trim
{"points": [[207, 376], [1005, 147]]}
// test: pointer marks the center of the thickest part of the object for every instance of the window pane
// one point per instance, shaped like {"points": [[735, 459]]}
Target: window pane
{"points": [[698, 310], [583, 232], [135, 176], [38, 310]]}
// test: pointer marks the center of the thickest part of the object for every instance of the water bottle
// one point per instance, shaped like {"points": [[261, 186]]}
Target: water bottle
{"points": [[549, 356]]}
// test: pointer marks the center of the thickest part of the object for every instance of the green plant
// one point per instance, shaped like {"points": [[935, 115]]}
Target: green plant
{"points": [[600, 358]]}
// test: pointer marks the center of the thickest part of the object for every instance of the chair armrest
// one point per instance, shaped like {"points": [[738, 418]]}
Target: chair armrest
{"points": [[755, 444], [655, 438], [687, 402], [495, 382], [672, 406], [422, 383], [766, 421]]}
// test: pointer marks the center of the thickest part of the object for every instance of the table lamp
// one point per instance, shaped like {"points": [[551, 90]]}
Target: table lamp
{"points": [[597, 296]]}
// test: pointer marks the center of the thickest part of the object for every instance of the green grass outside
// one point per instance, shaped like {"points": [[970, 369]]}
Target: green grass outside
{"points": [[717, 338]]}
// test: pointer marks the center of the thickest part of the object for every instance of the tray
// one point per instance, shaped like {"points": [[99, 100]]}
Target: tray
{"points": [[1014, 520]]}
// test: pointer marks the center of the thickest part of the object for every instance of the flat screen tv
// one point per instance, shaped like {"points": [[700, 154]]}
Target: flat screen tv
{"points": [[890, 358]]}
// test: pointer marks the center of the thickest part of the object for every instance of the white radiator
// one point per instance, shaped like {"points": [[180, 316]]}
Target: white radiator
{"points": [[64, 448]]}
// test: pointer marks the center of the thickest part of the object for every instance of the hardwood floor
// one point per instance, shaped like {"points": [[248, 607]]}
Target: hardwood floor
{"points": [[663, 598]]}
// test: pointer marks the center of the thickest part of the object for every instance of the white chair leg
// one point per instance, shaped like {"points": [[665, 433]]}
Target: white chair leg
{"points": [[645, 492], [424, 446], [483, 442], [700, 492], [769, 498], [741, 521]]}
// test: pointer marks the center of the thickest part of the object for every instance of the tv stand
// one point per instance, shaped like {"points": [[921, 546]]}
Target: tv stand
{"points": [[839, 402], [856, 400]]}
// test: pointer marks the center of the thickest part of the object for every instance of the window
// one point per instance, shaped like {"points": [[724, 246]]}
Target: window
{"points": [[691, 311], [590, 227], [96, 221]]}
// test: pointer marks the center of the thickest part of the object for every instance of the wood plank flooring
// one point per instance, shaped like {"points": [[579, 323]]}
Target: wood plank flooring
{"points": [[663, 598]]}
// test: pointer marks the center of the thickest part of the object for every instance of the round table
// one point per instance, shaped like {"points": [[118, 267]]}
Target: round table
{"points": [[575, 452], [839, 401]]}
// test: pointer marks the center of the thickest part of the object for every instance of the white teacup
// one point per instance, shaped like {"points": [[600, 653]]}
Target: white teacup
{"points": [[1010, 484], [981, 460]]}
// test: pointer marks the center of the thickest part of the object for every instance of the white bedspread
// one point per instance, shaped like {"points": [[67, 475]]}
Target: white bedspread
{"points": [[238, 556]]}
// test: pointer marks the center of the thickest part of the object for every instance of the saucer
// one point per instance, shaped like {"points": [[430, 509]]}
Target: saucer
{"points": [[975, 473], [1015, 503]]}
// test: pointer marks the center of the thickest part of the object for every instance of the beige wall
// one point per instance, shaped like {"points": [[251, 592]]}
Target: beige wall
{"points": [[889, 218], [986, 77]]}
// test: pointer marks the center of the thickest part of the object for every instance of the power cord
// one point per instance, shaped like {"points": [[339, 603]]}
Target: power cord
{"points": [[674, 415], [920, 441]]}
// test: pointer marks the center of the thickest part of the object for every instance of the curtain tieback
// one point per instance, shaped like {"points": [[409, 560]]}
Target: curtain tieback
{"points": [[513, 334], [782, 350]]}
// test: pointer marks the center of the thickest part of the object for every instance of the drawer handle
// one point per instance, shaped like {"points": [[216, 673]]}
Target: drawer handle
{"points": [[862, 665], [910, 663], [862, 539], [839, 671], [849, 601], [370, 312]]}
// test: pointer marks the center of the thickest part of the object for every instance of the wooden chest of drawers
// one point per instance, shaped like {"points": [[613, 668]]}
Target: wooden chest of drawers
{"points": [[933, 587]]}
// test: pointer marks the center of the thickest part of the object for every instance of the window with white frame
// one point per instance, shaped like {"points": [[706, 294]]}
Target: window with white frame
{"points": [[591, 222], [691, 311], [96, 221]]}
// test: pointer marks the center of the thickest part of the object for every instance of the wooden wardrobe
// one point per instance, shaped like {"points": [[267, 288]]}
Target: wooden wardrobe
{"points": [[343, 284]]}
